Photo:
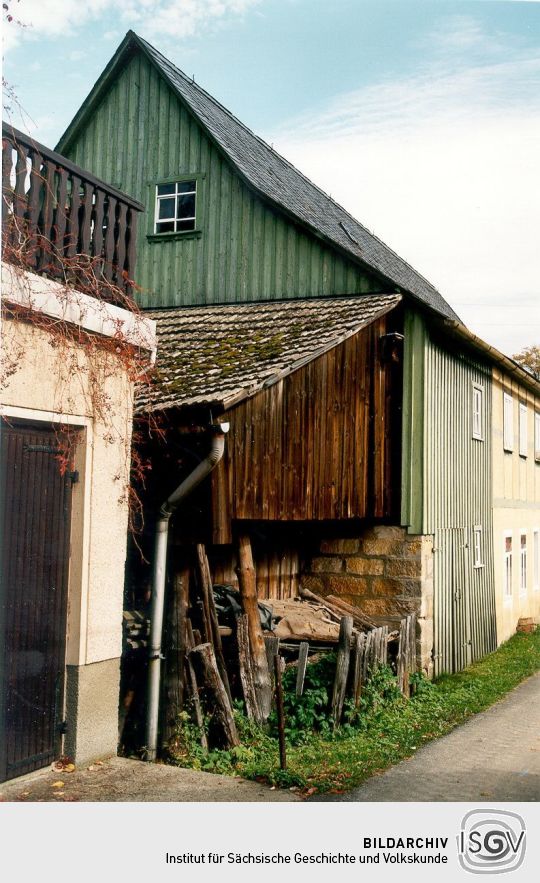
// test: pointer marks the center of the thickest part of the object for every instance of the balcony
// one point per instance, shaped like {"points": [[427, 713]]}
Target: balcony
{"points": [[61, 222]]}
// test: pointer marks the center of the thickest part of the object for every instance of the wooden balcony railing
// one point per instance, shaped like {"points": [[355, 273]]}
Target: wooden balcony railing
{"points": [[61, 221]]}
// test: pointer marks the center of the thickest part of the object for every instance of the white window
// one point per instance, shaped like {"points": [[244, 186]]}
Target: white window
{"points": [[478, 545], [508, 422], [175, 207], [522, 430], [537, 436], [523, 562], [478, 411], [507, 572], [536, 560]]}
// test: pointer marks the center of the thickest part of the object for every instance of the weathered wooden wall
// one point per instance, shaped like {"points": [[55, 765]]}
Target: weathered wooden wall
{"points": [[319, 445], [245, 251]]}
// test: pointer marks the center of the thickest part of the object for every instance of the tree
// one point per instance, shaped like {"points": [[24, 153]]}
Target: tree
{"points": [[529, 358]]}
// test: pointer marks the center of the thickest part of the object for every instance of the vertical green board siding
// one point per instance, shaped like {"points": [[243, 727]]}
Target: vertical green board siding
{"points": [[447, 490], [140, 132]]}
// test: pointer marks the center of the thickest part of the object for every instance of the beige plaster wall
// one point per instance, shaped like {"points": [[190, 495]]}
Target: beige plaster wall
{"points": [[516, 506], [53, 383]]}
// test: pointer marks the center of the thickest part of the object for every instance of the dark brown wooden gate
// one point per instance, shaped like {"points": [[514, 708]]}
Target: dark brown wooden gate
{"points": [[35, 531]]}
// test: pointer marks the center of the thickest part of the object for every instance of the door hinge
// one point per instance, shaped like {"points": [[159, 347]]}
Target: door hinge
{"points": [[62, 728], [74, 477]]}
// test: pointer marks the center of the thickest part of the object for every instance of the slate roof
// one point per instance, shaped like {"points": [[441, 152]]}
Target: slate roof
{"points": [[277, 180], [220, 355]]}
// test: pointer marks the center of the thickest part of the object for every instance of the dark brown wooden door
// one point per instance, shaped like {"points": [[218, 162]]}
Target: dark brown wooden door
{"points": [[35, 527]]}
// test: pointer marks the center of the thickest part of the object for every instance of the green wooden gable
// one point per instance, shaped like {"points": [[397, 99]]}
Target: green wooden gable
{"points": [[262, 231]]}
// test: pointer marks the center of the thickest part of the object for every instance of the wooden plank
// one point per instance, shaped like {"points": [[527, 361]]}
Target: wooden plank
{"points": [[248, 595], [176, 651], [280, 713], [271, 644], [342, 669], [303, 654], [209, 606], [221, 706], [246, 668], [359, 652]]}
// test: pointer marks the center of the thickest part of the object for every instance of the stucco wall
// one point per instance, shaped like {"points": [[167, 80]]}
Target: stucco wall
{"points": [[58, 378], [516, 506]]}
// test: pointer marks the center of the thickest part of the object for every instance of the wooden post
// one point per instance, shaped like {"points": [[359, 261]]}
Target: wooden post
{"points": [[248, 595], [209, 604], [246, 668], [302, 665], [176, 651], [191, 684], [359, 651], [271, 644], [280, 713], [342, 668], [222, 708]]}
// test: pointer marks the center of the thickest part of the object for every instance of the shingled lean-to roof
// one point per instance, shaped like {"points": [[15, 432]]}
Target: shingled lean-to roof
{"points": [[272, 177], [221, 355]]}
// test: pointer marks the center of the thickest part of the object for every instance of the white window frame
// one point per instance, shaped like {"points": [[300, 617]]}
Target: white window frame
{"points": [[508, 422], [175, 219], [537, 435], [523, 441], [536, 559], [478, 545], [507, 567], [522, 562], [478, 411]]}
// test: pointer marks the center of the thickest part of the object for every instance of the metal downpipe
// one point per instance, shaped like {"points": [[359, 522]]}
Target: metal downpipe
{"points": [[168, 508]]}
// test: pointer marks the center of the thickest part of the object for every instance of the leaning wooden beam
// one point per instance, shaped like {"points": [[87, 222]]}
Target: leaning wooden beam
{"points": [[248, 596], [246, 668], [336, 608], [176, 651], [342, 668], [192, 687], [207, 591], [222, 708], [302, 665]]}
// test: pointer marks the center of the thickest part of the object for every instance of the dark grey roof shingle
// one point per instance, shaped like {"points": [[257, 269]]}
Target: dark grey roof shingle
{"points": [[272, 176], [223, 354]]}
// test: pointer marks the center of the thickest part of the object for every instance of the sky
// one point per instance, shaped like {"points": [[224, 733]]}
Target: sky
{"points": [[421, 117]]}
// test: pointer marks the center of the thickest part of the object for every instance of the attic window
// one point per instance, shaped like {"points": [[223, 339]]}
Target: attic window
{"points": [[175, 206]]}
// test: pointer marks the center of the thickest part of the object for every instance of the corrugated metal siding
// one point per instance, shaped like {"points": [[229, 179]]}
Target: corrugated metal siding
{"points": [[140, 133], [453, 478]]}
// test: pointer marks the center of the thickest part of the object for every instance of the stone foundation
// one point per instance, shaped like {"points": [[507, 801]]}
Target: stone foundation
{"points": [[92, 710], [386, 573]]}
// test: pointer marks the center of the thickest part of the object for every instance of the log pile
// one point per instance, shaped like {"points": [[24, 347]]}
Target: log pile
{"points": [[207, 673]]}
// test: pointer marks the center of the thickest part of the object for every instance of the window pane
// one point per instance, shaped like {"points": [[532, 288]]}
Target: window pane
{"points": [[165, 189], [165, 227], [166, 208], [186, 187], [189, 224], [185, 206]]}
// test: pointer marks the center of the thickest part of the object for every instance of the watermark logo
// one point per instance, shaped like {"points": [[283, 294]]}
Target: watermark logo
{"points": [[491, 841]]}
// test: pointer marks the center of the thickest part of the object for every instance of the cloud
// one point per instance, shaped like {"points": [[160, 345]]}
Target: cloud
{"points": [[443, 167], [172, 18]]}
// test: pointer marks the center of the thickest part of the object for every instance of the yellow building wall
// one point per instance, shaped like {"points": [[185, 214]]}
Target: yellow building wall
{"points": [[516, 507]]}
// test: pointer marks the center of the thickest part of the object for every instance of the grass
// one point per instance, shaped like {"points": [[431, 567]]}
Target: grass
{"points": [[388, 729]]}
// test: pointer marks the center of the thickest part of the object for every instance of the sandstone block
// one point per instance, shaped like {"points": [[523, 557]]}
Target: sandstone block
{"points": [[368, 566], [402, 567], [412, 548], [326, 565], [339, 547], [314, 584], [381, 547], [388, 607], [346, 585], [386, 587]]}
